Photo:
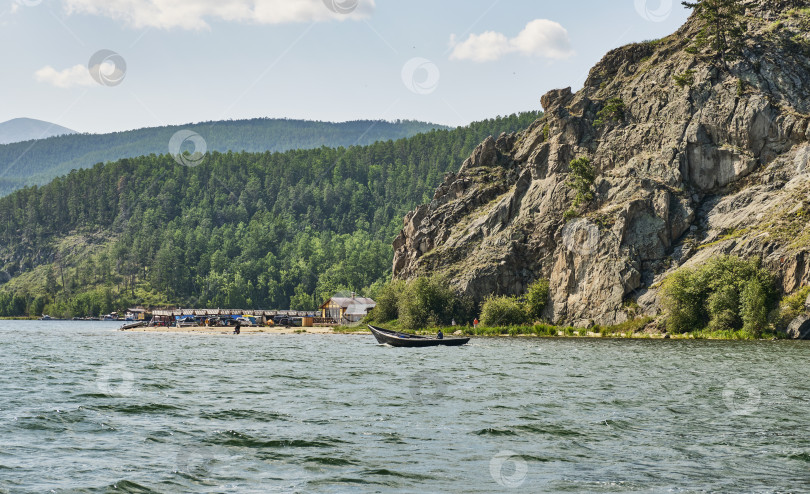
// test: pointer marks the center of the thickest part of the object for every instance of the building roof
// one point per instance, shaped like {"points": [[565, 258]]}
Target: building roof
{"points": [[358, 309], [346, 302]]}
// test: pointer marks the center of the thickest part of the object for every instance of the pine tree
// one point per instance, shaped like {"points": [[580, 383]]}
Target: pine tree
{"points": [[723, 27]]}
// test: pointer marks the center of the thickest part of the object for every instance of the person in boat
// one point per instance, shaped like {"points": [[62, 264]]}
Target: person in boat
{"points": [[238, 328], [440, 335]]}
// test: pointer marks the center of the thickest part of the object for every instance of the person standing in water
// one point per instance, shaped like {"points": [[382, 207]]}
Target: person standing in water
{"points": [[237, 329]]}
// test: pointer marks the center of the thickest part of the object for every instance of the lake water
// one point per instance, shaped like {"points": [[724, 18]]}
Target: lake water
{"points": [[84, 408]]}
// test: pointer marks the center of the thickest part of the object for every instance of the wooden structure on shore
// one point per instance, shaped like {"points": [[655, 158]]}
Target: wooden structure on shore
{"points": [[306, 318], [347, 310], [232, 312]]}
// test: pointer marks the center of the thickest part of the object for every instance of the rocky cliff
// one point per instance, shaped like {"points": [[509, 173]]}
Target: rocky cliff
{"points": [[693, 158]]}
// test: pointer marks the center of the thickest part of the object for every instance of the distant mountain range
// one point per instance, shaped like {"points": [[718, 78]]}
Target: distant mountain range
{"points": [[37, 162], [26, 129]]}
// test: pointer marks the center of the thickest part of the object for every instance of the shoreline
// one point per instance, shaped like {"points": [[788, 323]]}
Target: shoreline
{"points": [[215, 331], [245, 330], [566, 333]]}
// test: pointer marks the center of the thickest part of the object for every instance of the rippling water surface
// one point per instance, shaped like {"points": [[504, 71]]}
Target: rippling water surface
{"points": [[84, 408]]}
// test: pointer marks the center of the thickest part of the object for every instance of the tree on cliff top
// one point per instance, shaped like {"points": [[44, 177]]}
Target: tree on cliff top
{"points": [[723, 27]]}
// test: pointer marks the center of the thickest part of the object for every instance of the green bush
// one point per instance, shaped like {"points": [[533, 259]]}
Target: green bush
{"points": [[613, 111], [581, 180], [685, 79], [754, 306], [725, 294], [387, 308], [430, 301], [790, 307], [504, 311], [537, 297]]}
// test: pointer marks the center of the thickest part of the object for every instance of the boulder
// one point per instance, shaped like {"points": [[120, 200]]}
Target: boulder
{"points": [[555, 99], [799, 328], [486, 154], [807, 303]]}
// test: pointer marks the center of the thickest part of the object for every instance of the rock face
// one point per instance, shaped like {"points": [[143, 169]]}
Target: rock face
{"points": [[718, 165], [799, 328]]}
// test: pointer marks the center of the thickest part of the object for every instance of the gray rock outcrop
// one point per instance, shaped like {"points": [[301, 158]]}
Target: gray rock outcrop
{"points": [[799, 328], [720, 165]]}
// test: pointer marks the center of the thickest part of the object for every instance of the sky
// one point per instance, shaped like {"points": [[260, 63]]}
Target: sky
{"points": [[110, 65]]}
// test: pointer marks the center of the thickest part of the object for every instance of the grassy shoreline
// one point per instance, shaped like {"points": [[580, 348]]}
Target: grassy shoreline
{"points": [[634, 329]]}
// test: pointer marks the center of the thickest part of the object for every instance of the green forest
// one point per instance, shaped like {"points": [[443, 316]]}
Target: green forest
{"points": [[240, 230], [38, 162]]}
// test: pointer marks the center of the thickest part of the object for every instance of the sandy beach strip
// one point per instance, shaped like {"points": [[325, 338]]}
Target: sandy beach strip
{"points": [[245, 330]]}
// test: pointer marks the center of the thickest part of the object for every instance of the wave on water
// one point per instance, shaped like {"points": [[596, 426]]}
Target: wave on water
{"points": [[150, 408], [390, 473], [244, 414], [242, 440], [491, 431], [331, 461], [127, 487], [801, 457]]}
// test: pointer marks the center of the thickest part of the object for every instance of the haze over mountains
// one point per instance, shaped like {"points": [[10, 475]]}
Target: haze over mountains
{"points": [[38, 162], [26, 129]]}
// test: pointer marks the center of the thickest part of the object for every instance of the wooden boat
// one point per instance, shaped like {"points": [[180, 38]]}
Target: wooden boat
{"points": [[132, 325], [394, 338]]}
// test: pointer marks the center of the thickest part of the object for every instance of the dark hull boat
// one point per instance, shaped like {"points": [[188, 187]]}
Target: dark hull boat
{"points": [[393, 338]]}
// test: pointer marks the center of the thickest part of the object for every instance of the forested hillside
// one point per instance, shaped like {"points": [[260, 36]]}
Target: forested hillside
{"points": [[241, 230], [38, 162]]}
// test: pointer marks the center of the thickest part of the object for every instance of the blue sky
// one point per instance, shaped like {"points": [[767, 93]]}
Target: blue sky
{"points": [[447, 61]]}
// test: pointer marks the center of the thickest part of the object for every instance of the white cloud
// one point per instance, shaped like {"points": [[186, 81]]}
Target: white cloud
{"points": [[540, 38], [195, 14], [484, 47], [78, 75]]}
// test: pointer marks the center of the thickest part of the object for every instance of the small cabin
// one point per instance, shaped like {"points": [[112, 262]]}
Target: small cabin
{"points": [[136, 314], [347, 310]]}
